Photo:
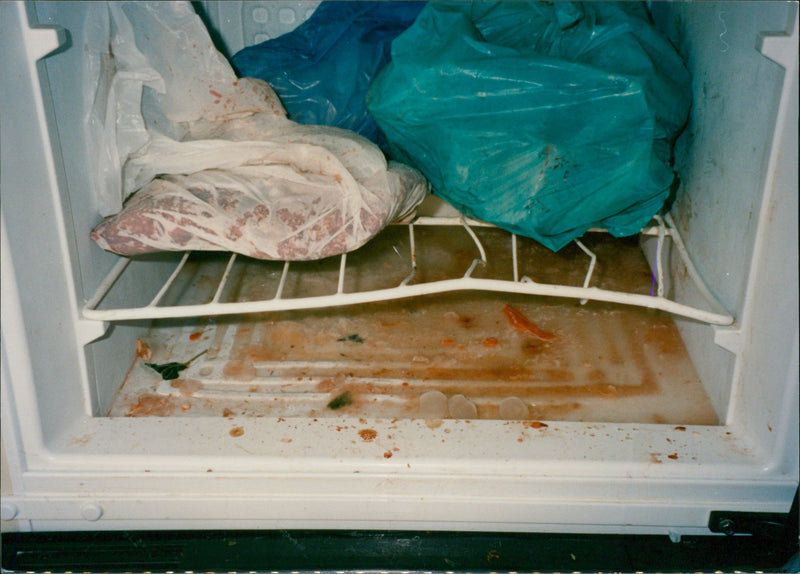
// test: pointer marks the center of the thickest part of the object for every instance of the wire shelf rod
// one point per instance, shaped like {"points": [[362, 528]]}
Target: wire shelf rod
{"points": [[108, 282], [662, 230], [342, 267], [524, 285], [282, 282], [590, 270], [446, 285], [692, 270], [169, 281], [224, 280], [413, 250], [514, 258]]}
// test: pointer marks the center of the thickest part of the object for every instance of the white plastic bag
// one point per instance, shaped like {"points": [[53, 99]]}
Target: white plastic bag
{"points": [[221, 167]]}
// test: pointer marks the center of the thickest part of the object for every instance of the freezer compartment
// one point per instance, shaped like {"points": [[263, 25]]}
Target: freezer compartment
{"points": [[464, 354], [116, 298]]}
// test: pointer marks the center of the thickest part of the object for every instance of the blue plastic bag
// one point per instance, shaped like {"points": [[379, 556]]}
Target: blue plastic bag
{"points": [[322, 69], [545, 119]]}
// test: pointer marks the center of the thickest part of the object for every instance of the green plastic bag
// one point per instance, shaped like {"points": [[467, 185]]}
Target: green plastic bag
{"points": [[544, 119]]}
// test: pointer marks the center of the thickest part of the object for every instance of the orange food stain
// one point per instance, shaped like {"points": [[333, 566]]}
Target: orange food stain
{"points": [[196, 335], [152, 405], [239, 370], [490, 342], [236, 431], [534, 424], [387, 454], [367, 435], [448, 342], [521, 323]]}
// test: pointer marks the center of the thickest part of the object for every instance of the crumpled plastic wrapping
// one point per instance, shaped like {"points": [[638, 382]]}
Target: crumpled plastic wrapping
{"points": [[349, 40], [543, 118], [213, 160]]}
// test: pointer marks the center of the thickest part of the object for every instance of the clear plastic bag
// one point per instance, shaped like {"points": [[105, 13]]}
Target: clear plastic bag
{"points": [[221, 168]]}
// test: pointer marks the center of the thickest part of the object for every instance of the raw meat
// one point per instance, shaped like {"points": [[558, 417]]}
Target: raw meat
{"points": [[289, 200], [220, 166]]}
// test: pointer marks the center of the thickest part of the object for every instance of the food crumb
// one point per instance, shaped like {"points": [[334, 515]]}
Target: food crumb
{"points": [[535, 424], [143, 350], [387, 454], [367, 435]]}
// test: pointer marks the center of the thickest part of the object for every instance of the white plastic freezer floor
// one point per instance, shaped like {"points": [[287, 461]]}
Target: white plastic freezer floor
{"points": [[457, 355]]}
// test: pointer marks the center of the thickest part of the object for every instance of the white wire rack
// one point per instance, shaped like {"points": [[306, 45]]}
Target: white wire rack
{"points": [[664, 230]]}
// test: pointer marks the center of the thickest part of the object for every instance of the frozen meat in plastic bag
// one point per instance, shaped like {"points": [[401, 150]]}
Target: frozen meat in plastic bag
{"points": [[282, 201], [222, 168]]}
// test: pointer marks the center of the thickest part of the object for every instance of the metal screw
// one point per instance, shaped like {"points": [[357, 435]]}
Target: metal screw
{"points": [[727, 526]]}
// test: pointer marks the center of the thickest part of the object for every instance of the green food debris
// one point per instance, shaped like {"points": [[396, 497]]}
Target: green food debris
{"points": [[170, 371], [340, 401], [355, 338]]}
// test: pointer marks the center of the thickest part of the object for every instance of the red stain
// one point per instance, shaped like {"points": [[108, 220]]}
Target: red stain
{"points": [[195, 336], [521, 323]]}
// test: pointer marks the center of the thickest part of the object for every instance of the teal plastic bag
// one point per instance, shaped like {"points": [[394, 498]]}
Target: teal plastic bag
{"points": [[545, 119]]}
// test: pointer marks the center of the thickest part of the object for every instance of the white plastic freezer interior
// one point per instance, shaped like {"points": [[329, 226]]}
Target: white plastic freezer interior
{"points": [[263, 443]]}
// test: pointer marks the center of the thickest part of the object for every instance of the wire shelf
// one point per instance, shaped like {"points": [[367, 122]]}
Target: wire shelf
{"points": [[663, 230]]}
